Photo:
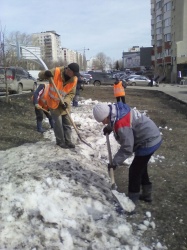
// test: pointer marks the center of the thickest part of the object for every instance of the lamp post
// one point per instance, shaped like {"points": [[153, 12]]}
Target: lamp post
{"points": [[84, 59]]}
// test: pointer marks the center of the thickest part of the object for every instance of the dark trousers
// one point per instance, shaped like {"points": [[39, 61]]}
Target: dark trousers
{"points": [[120, 97], [138, 174], [39, 115]]}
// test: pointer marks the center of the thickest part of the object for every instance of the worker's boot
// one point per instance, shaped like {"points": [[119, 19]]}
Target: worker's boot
{"points": [[135, 199], [39, 127], [68, 141], [51, 123], [75, 103], [61, 144], [146, 193]]}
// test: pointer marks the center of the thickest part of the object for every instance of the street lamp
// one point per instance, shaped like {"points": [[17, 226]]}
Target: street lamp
{"points": [[84, 59]]}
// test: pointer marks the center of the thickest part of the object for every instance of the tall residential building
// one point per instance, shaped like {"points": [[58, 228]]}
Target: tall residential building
{"points": [[49, 42], [169, 38]]}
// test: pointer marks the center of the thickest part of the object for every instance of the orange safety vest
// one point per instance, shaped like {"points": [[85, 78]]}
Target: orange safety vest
{"points": [[43, 98], [53, 99], [119, 89]]}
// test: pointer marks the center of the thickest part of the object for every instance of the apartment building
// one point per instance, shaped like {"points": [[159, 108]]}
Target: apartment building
{"points": [[50, 44], [169, 38]]}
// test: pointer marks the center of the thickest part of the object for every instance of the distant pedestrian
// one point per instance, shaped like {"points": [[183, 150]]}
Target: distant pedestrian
{"points": [[78, 88], [136, 133], [119, 90], [40, 103]]}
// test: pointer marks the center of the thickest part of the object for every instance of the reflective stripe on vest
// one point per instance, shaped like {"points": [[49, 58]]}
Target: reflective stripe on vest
{"points": [[119, 89], [53, 99], [43, 98]]}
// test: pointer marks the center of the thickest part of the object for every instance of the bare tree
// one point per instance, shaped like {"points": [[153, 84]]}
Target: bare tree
{"points": [[11, 52], [100, 62]]}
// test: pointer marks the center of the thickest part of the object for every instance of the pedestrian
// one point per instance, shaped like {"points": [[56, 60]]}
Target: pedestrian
{"points": [[78, 88], [137, 133], [65, 79], [40, 103], [119, 90]]}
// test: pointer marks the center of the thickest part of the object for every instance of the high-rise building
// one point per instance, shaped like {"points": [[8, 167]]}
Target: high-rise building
{"points": [[49, 42], [169, 38]]}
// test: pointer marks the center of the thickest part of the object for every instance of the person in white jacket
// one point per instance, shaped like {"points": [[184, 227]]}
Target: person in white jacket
{"points": [[137, 133]]}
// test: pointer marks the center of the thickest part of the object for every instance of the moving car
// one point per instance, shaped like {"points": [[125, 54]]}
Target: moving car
{"points": [[17, 79], [139, 81]]}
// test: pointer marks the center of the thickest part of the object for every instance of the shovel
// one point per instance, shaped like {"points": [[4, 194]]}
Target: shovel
{"points": [[72, 122], [125, 203], [44, 110]]}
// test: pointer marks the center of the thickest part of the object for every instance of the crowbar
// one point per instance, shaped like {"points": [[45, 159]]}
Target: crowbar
{"points": [[125, 203], [72, 122]]}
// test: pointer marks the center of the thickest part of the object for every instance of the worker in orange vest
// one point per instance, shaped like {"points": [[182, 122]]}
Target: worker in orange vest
{"points": [[40, 102], [119, 90], [65, 79]]}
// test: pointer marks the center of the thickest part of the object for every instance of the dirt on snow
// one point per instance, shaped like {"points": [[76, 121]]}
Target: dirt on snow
{"points": [[168, 174]]}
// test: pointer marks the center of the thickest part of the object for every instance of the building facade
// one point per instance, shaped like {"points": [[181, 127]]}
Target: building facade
{"points": [[131, 59], [49, 42], [169, 39]]}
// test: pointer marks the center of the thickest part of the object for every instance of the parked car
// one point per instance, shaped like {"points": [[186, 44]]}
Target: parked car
{"points": [[87, 78], [100, 78], [18, 80], [140, 81]]}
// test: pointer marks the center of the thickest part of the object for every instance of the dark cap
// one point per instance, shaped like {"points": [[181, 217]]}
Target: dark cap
{"points": [[75, 68], [116, 79]]}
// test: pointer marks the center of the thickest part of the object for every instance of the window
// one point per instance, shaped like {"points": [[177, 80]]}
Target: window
{"points": [[167, 37], [158, 18], [159, 5], [167, 52], [167, 22], [159, 31], [159, 43], [167, 7]]}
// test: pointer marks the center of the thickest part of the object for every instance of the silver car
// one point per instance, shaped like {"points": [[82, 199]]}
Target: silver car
{"points": [[140, 81], [17, 79]]}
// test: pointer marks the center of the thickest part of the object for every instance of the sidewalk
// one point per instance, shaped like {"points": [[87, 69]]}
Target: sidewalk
{"points": [[177, 91]]}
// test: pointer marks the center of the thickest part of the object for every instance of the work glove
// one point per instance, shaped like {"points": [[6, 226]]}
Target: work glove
{"points": [[107, 130], [37, 106], [111, 166], [48, 74], [64, 106]]}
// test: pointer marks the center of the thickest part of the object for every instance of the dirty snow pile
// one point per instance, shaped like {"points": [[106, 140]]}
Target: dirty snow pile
{"points": [[54, 198]]}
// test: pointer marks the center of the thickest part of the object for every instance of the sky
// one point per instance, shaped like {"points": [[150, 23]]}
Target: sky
{"points": [[54, 198], [93, 26]]}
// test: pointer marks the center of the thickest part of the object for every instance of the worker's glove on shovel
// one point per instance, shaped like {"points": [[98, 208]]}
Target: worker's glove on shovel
{"points": [[64, 105], [48, 74], [109, 167], [107, 130], [37, 106]]}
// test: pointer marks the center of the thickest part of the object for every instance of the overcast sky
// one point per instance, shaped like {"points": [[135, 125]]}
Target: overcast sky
{"points": [[108, 26]]}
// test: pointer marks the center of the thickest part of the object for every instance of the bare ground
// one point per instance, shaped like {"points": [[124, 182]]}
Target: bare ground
{"points": [[169, 175]]}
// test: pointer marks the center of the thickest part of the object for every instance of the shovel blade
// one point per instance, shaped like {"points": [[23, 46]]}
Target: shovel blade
{"points": [[123, 201]]}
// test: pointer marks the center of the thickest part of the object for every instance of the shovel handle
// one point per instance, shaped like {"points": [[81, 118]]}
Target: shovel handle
{"points": [[72, 122], [60, 97], [111, 172]]}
